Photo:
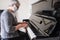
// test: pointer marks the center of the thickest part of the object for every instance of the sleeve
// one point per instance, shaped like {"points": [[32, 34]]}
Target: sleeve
{"points": [[8, 24]]}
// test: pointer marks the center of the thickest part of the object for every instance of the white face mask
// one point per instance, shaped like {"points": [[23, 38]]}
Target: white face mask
{"points": [[13, 8]]}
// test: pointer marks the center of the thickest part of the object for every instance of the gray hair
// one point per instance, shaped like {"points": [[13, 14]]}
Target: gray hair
{"points": [[14, 2]]}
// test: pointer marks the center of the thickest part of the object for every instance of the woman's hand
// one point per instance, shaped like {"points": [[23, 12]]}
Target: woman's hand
{"points": [[22, 24]]}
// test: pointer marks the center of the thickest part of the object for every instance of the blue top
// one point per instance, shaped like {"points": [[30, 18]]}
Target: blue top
{"points": [[8, 23]]}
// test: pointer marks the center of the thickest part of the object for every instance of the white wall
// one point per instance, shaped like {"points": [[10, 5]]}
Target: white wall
{"points": [[42, 6], [24, 11], [4, 4], [33, 1]]}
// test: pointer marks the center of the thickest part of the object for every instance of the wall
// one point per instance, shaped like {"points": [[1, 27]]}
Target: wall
{"points": [[4, 4], [42, 6]]}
